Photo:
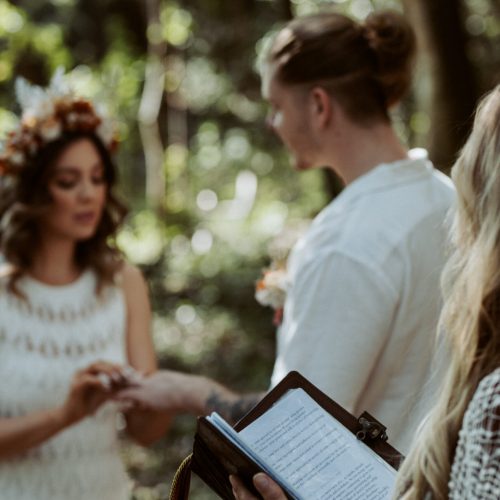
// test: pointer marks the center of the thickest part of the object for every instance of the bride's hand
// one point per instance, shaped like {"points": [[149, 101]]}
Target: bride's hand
{"points": [[90, 388]]}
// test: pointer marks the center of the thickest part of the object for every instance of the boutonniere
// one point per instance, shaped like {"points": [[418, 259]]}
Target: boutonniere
{"points": [[271, 289]]}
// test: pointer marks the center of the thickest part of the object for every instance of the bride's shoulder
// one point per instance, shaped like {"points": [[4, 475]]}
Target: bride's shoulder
{"points": [[131, 276], [133, 283]]}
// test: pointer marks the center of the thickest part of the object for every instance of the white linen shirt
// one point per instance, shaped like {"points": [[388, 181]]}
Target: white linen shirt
{"points": [[364, 297]]}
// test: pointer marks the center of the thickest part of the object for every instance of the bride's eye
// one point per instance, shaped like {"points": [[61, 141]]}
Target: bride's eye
{"points": [[65, 183], [99, 179]]}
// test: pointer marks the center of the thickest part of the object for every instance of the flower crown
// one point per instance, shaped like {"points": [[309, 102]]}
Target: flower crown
{"points": [[46, 115]]}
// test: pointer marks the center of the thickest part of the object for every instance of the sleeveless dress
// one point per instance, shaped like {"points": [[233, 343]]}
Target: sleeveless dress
{"points": [[43, 341]]}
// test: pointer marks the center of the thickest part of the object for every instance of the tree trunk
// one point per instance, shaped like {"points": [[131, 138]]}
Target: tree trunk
{"points": [[442, 40], [149, 110]]}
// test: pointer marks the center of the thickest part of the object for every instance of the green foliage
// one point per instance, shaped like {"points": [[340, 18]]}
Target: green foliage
{"points": [[229, 187]]}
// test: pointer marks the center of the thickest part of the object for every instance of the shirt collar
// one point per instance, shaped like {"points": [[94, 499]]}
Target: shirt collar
{"points": [[387, 175]]}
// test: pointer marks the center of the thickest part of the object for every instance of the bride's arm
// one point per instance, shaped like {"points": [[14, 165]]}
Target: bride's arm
{"points": [[143, 425], [86, 394], [22, 433]]}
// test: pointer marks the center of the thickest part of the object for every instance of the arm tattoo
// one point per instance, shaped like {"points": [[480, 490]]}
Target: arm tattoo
{"points": [[232, 411]]}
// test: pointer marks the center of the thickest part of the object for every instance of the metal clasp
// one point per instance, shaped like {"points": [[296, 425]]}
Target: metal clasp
{"points": [[370, 428]]}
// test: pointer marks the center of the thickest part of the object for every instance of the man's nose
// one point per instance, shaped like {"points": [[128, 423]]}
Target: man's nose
{"points": [[270, 122]]}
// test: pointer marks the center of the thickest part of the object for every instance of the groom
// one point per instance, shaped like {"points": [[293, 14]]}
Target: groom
{"points": [[361, 312]]}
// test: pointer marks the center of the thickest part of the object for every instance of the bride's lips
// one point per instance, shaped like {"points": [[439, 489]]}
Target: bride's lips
{"points": [[85, 218]]}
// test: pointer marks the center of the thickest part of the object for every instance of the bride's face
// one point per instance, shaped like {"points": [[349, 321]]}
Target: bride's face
{"points": [[78, 190]]}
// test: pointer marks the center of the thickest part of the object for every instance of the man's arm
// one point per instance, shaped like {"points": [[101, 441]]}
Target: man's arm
{"points": [[177, 392], [232, 409]]}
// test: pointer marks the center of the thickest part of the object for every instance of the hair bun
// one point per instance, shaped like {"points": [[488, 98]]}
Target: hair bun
{"points": [[392, 40]]}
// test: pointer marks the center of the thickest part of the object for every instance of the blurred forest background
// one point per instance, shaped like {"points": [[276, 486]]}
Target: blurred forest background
{"points": [[212, 196]]}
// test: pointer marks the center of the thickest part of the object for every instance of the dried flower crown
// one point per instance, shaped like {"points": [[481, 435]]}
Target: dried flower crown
{"points": [[46, 114]]}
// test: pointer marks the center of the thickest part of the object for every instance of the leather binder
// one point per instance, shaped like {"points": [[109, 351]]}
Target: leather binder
{"points": [[214, 457]]}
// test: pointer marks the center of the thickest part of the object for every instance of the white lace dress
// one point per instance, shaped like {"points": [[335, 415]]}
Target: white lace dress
{"points": [[59, 330], [475, 473]]}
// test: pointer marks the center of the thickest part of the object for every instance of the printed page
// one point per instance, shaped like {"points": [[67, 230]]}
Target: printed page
{"points": [[315, 454]]}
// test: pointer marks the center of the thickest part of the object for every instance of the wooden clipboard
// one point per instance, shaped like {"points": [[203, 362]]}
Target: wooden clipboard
{"points": [[215, 457]]}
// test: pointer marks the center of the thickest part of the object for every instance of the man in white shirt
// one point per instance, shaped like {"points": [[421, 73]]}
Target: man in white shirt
{"points": [[361, 313]]}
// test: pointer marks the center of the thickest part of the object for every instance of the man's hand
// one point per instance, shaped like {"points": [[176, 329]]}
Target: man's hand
{"points": [[175, 392], [167, 391]]}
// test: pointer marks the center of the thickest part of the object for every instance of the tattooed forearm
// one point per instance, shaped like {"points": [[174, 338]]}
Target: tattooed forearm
{"points": [[232, 409]]}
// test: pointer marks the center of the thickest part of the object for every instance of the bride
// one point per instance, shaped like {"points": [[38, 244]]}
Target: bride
{"points": [[74, 316]]}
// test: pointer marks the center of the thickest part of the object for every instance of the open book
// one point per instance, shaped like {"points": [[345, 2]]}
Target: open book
{"points": [[310, 445]]}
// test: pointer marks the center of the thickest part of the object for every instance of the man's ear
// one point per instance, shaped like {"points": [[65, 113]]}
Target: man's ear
{"points": [[321, 106]]}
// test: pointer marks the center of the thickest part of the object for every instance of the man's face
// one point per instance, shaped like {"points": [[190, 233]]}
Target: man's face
{"points": [[289, 118]]}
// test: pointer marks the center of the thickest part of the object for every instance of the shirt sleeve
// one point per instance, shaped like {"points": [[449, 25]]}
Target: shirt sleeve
{"points": [[337, 320]]}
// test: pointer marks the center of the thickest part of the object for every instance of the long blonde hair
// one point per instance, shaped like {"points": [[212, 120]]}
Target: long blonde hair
{"points": [[471, 314]]}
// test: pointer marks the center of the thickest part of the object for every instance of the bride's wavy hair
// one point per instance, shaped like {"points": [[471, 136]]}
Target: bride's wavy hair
{"points": [[471, 314], [25, 197]]}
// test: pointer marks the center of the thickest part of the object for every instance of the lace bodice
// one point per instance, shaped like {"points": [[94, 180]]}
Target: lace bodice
{"points": [[475, 473], [43, 341]]}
